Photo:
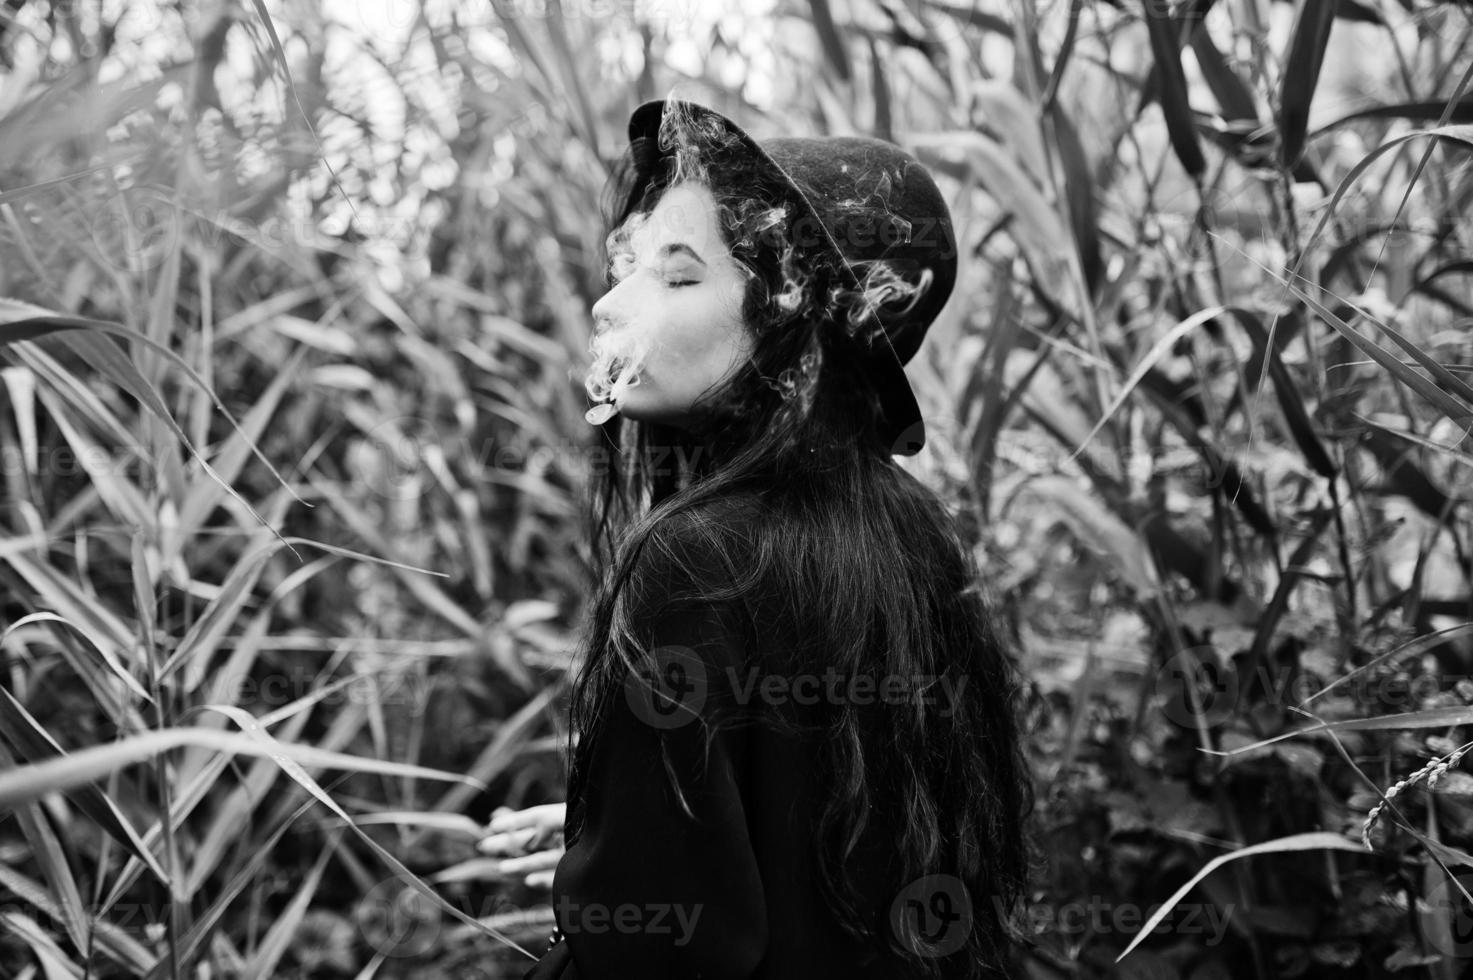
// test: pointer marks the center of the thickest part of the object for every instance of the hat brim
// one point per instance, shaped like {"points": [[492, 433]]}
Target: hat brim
{"points": [[904, 428]]}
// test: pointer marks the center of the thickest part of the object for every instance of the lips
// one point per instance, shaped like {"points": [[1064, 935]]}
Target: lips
{"points": [[619, 361]]}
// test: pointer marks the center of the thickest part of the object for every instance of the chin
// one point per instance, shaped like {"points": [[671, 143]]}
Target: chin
{"points": [[635, 409], [640, 410]]}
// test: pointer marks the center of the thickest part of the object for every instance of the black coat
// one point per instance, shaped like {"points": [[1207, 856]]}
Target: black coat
{"points": [[646, 892]]}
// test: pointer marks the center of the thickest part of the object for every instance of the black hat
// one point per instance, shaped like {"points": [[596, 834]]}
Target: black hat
{"points": [[843, 184]]}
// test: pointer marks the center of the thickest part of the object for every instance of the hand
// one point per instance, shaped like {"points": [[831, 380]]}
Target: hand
{"points": [[530, 840]]}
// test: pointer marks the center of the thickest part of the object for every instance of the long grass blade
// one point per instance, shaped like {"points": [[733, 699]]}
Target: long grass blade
{"points": [[1440, 399], [1462, 134], [32, 743], [834, 48], [1309, 39], [113, 941], [50, 857], [53, 959], [1158, 350], [109, 359], [254, 730], [98, 644], [1317, 840], [1296, 416], [267, 956], [83, 766], [1181, 125]]}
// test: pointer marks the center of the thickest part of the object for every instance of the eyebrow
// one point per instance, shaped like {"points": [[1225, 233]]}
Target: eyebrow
{"points": [[671, 248]]}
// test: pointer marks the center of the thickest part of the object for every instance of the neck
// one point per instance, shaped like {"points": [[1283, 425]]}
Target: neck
{"points": [[704, 453], [716, 440]]}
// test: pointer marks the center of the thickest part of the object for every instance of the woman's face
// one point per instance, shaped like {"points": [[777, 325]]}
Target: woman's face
{"points": [[673, 317]]}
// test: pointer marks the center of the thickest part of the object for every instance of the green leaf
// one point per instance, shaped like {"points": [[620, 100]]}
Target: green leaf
{"points": [[109, 359], [1406, 720], [433, 598], [1404, 476], [208, 629], [496, 757], [73, 604], [255, 731], [1181, 126], [32, 743], [268, 953], [124, 499], [83, 766], [188, 948], [53, 960], [1463, 134], [450, 823], [1296, 416], [231, 457], [828, 36], [104, 652], [1412, 648], [1310, 37], [1096, 526], [1465, 459], [112, 940], [1445, 379], [20, 193], [1159, 349], [1440, 399], [291, 86], [1035, 224], [1233, 95], [47, 852], [880, 85], [1432, 111], [1279, 604], [1079, 189], [1316, 840]]}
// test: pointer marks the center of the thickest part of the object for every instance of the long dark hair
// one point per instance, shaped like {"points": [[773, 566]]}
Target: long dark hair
{"points": [[865, 561]]}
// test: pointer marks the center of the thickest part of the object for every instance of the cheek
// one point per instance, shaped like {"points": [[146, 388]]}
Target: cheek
{"points": [[706, 333], [726, 342]]}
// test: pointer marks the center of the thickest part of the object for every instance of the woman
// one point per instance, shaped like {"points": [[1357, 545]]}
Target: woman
{"points": [[798, 754]]}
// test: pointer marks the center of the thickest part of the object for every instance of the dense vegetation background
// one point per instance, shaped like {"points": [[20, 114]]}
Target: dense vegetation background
{"points": [[292, 442]]}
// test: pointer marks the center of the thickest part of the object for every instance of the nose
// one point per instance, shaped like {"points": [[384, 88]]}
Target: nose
{"points": [[600, 310], [605, 311]]}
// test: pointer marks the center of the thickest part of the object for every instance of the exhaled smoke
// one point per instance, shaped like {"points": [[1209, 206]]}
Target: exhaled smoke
{"points": [[619, 357]]}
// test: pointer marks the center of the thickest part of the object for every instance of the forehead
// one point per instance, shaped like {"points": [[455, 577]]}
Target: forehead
{"points": [[684, 213]]}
